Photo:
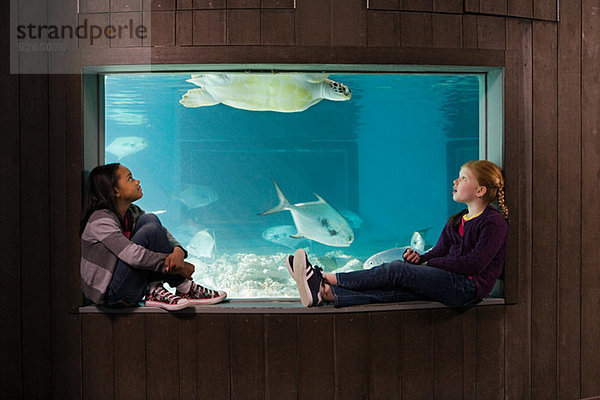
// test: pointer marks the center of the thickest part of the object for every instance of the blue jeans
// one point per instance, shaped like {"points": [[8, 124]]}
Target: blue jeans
{"points": [[129, 284], [402, 281]]}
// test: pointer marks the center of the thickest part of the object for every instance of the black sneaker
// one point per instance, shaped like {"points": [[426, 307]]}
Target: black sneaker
{"points": [[309, 279]]}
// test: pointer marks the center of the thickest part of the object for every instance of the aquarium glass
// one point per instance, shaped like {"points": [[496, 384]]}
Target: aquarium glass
{"points": [[383, 162]]}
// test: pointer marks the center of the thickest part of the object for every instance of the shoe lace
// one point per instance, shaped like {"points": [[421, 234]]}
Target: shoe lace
{"points": [[163, 294]]}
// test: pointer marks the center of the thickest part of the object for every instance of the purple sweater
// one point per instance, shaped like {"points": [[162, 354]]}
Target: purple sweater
{"points": [[479, 253]]}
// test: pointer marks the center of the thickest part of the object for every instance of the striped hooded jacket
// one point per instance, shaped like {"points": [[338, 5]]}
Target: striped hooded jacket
{"points": [[103, 244]]}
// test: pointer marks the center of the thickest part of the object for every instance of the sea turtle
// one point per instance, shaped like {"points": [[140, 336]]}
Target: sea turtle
{"points": [[282, 92]]}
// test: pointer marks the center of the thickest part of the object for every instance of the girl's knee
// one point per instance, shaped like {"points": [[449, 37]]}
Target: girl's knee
{"points": [[148, 218]]}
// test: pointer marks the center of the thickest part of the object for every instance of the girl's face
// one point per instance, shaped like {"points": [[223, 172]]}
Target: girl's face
{"points": [[128, 189], [465, 188]]}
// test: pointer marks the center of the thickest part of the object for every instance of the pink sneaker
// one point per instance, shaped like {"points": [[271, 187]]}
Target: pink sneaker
{"points": [[161, 297], [198, 294]]}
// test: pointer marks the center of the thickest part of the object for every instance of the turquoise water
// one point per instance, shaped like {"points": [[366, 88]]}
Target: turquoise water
{"points": [[384, 159]]}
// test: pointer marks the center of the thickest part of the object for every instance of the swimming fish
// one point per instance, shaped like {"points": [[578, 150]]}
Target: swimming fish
{"points": [[385, 257], [281, 235], [417, 242], [126, 145], [196, 196], [316, 221], [202, 244]]}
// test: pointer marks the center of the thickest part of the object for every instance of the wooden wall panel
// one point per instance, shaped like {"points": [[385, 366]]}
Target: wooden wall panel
{"points": [[243, 27], [446, 31], [384, 5], [545, 9], [448, 6], [383, 29], [277, 27], [35, 227], [385, 371], [518, 172], [212, 343], [162, 357], [313, 23], [415, 29], [417, 5], [184, 21], [544, 206], [209, 27], [130, 357], [448, 355], [590, 212], [520, 8], [97, 356], [470, 31], [491, 32], [246, 343], [417, 354], [316, 347], [281, 357], [351, 358], [349, 26], [490, 353], [10, 234], [497, 7], [569, 200], [188, 356], [161, 28]]}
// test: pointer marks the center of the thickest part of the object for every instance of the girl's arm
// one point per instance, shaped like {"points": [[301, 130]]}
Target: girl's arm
{"points": [[441, 247], [106, 231], [492, 237]]}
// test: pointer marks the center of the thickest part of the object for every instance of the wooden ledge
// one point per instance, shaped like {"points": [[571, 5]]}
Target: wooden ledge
{"points": [[281, 306]]}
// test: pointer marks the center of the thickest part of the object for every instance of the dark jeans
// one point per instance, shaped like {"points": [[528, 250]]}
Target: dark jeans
{"points": [[129, 284], [402, 281]]}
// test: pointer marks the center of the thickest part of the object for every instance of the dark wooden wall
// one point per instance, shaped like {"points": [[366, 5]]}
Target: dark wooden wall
{"points": [[545, 346]]}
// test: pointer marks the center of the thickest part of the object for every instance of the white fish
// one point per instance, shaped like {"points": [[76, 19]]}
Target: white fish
{"points": [[196, 196], [126, 145], [201, 245], [385, 257], [158, 212], [417, 242], [353, 219], [282, 235], [316, 221]]}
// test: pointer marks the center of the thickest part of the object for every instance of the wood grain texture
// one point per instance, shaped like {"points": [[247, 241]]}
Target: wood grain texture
{"points": [[162, 356], [130, 356], [349, 26], [386, 379], [213, 357], [210, 27], [569, 193], [496, 7], [243, 27], [351, 359], [281, 357], [448, 355], [247, 359], [491, 32], [590, 213], [383, 29], [313, 23], [417, 354], [520, 8], [97, 352], [490, 353], [447, 31], [316, 347], [415, 29], [277, 27], [544, 206], [518, 172]]}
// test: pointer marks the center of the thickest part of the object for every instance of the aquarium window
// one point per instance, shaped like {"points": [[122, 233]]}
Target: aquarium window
{"points": [[366, 159]]}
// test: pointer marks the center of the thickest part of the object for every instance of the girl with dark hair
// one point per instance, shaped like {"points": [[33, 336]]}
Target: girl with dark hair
{"points": [[126, 254], [459, 271]]}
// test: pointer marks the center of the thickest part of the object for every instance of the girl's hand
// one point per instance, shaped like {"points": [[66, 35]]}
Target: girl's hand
{"points": [[187, 270], [411, 256], [174, 261]]}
